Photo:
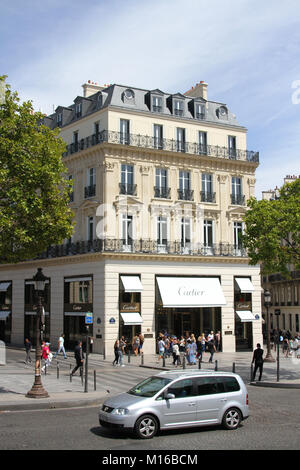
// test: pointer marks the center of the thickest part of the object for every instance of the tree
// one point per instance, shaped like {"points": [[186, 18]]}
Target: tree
{"points": [[272, 233], [34, 190]]}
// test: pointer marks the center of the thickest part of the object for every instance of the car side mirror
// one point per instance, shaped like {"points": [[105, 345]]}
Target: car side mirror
{"points": [[168, 396]]}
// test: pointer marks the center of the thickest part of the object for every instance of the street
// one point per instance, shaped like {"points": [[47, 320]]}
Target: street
{"points": [[274, 424]]}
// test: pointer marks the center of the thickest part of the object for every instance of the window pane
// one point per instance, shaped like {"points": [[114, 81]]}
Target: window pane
{"points": [[182, 389]]}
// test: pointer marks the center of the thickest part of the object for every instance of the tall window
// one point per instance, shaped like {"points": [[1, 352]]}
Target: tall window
{"points": [[124, 131], [127, 229], [59, 119], [162, 231], [208, 236], [237, 196], [75, 141], [185, 233], [202, 142], [185, 193], [78, 110], [178, 107], [232, 146], [237, 235], [180, 134], [157, 104], [158, 136], [200, 111], [207, 194], [161, 183], [90, 189], [90, 228], [127, 186]]}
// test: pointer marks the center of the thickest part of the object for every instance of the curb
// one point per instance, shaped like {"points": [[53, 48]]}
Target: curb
{"points": [[274, 385], [50, 404]]}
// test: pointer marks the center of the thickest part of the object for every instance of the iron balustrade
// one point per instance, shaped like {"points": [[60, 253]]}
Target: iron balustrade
{"points": [[186, 194], [162, 192], [142, 246], [238, 199], [169, 145], [207, 196], [129, 189], [90, 191]]}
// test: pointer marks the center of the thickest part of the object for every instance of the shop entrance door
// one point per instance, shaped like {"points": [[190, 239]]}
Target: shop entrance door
{"points": [[243, 335]]}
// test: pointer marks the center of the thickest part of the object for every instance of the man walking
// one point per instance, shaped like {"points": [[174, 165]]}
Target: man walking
{"points": [[258, 361], [61, 347], [79, 356], [28, 348]]}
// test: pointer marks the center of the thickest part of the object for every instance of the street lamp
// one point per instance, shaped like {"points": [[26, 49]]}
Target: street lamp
{"points": [[267, 299], [37, 390]]}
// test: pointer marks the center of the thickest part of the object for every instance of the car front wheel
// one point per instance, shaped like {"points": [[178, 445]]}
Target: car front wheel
{"points": [[232, 418], [146, 427]]}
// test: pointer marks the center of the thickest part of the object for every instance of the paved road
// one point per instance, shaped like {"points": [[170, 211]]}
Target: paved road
{"points": [[274, 424]]}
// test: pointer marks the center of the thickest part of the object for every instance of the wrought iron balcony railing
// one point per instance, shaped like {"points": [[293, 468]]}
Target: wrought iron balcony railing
{"points": [[90, 191], [186, 194], [169, 145], [160, 191], [129, 189], [142, 246], [238, 199], [207, 196]]}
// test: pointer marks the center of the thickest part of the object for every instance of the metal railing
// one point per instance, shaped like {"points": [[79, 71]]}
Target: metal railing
{"points": [[142, 246], [170, 145]]}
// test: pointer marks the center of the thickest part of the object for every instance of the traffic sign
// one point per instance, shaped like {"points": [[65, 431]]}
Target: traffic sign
{"points": [[88, 318]]}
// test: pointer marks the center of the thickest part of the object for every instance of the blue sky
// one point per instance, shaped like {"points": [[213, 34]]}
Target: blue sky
{"points": [[246, 50]]}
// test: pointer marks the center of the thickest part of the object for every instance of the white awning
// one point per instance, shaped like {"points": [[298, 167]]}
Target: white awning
{"points": [[245, 285], [245, 315], [131, 318], [191, 292], [4, 286], [4, 314], [132, 283]]}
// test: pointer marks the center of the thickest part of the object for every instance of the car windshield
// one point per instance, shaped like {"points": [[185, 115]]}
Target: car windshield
{"points": [[149, 387]]}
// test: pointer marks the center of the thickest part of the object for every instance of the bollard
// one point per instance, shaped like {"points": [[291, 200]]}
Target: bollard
{"points": [[142, 358], [81, 374], [128, 356], [57, 370], [104, 355], [95, 381], [199, 363], [183, 362], [216, 365], [233, 367], [251, 373], [164, 360]]}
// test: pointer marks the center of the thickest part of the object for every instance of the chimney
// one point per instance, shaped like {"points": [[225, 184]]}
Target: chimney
{"points": [[199, 90], [90, 88]]}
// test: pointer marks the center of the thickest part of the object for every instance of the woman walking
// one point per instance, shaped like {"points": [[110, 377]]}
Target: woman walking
{"points": [[116, 351]]}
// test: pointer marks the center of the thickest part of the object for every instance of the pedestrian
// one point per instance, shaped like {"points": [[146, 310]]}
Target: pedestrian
{"points": [[122, 346], [182, 344], [116, 351], [191, 350], [79, 357], [211, 348], [176, 353], [161, 348], [140, 348], [210, 336], [135, 344], [28, 348], [218, 341], [46, 356], [61, 347], [285, 347], [258, 361], [203, 344]]}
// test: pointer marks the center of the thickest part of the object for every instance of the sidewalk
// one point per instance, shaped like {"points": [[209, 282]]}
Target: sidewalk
{"points": [[16, 379]]}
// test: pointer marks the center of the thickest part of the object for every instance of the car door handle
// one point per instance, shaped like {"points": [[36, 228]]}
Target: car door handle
{"points": [[191, 404], [223, 399]]}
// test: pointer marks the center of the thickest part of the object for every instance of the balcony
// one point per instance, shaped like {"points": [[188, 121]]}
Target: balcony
{"points": [[161, 192], [143, 247], [238, 199], [128, 189], [185, 194], [90, 191], [157, 109], [207, 196], [169, 145]]}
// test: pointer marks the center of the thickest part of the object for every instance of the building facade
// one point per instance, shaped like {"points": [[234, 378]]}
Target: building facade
{"points": [[285, 293], [160, 184]]}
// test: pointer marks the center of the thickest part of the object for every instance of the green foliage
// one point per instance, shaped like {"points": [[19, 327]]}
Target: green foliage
{"points": [[34, 190], [272, 233]]}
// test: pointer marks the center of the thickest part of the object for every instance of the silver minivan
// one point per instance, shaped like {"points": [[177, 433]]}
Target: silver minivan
{"points": [[173, 399]]}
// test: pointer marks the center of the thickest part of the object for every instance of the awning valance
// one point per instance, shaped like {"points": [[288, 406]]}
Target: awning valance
{"points": [[245, 315], [132, 283], [191, 292], [245, 285], [131, 318]]}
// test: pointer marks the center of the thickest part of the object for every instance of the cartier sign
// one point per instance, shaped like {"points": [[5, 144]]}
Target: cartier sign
{"points": [[129, 307]]}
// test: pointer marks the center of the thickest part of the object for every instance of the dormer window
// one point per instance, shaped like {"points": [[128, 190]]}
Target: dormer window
{"points": [[199, 111], [59, 119], [78, 110], [222, 112], [178, 108], [157, 104], [128, 96]]}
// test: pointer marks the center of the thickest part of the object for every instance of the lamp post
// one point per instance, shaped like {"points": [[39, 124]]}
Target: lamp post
{"points": [[267, 301], [37, 390]]}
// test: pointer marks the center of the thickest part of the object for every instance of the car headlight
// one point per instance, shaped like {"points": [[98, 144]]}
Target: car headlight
{"points": [[120, 411]]}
